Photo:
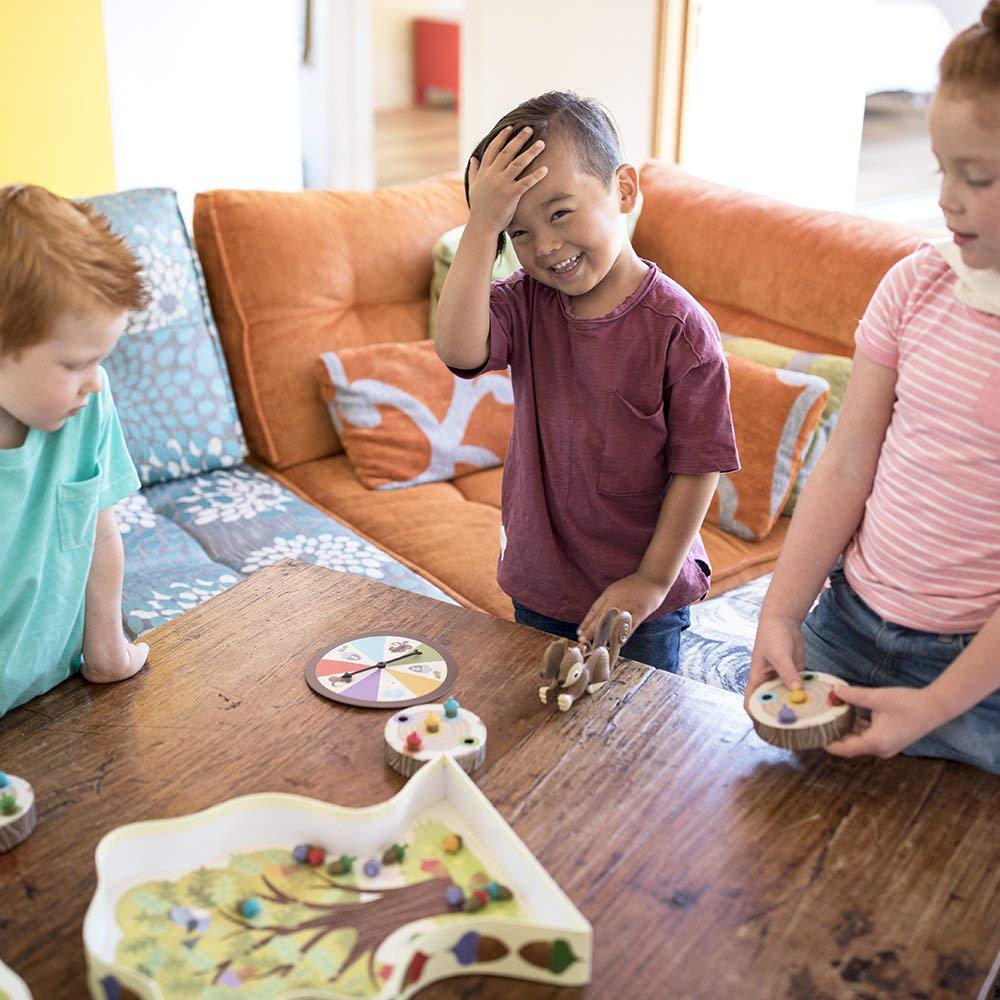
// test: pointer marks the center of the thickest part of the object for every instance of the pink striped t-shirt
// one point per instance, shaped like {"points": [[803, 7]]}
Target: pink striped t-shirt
{"points": [[927, 552]]}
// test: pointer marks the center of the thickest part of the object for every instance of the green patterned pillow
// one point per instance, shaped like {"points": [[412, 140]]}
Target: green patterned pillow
{"points": [[833, 368]]}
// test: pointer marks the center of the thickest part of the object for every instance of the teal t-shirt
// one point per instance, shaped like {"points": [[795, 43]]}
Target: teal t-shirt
{"points": [[51, 489]]}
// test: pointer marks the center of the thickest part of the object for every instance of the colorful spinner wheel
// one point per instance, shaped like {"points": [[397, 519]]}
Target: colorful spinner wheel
{"points": [[382, 671]]}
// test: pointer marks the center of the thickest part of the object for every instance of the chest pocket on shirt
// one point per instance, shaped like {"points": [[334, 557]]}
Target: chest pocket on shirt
{"points": [[634, 456], [77, 512], [987, 408]]}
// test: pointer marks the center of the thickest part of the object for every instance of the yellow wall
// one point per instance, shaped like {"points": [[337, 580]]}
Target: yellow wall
{"points": [[55, 123]]}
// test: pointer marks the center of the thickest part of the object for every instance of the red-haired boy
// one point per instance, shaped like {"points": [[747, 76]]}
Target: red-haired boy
{"points": [[66, 286]]}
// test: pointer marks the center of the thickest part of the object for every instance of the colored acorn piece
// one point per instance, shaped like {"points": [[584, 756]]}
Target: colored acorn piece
{"points": [[833, 699], [432, 723], [454, 897], [372, 867], [472, 904], [452, 843], [301, 852], [342, 865], [414, 742], [8, 804], [394, 855], [786, 715], [482, 895], [798, 697], [4, 780], [250, 908], [315, 856], [451, 707]]}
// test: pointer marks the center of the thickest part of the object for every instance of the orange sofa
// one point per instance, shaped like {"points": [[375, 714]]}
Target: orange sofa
{"points": [[293, 275]]}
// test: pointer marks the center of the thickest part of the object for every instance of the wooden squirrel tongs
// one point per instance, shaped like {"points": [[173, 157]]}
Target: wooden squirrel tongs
{"points": [[569, 669]]}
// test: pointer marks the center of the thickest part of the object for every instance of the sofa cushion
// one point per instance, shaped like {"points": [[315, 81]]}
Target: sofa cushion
{"points": [[775, 413], [170, 382], [405, 419], [801, 276], [188, 540], [291, 275], [455, 540], [832, 368]]}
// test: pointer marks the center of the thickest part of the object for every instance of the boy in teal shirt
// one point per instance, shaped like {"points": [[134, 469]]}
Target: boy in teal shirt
{"points": [[66, 285]]}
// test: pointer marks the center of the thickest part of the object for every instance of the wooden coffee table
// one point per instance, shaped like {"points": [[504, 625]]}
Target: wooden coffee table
{"points": [[709, 863]]}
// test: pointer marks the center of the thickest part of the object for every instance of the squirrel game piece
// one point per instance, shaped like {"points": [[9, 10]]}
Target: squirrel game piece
{"points": [[569, 669]]}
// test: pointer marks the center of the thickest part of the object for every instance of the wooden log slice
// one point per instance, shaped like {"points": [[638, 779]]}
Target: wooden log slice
{"points": [[463, 738], [801, 721], [18, 814]]}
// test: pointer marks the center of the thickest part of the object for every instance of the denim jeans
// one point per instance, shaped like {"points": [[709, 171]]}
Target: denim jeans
{"points": [[843, 636], [656, 642]]}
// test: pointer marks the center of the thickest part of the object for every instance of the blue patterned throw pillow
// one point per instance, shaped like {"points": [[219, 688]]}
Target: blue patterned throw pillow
{"points": [[168, 373]]}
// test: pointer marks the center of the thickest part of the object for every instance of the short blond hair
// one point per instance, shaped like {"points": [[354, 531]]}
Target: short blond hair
{"points": [[57, 255]]}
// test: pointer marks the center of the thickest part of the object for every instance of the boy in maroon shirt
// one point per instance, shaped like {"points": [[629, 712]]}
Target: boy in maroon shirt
{"points": [[621, 391]]}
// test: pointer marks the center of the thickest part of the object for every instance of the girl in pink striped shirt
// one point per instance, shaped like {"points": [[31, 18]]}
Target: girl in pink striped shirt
{"points": [[904, 506]]}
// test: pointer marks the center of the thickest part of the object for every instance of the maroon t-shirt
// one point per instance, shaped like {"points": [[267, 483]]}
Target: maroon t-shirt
{"points": [[605, 411]]}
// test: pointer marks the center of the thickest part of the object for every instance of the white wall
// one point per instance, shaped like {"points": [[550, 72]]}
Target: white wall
{"points": [[392, 39], [204, 94], [520, 48], [960, 13], [338, 118], [776, 99]]}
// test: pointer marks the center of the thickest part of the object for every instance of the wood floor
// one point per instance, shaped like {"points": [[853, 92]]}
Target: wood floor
{"points": [[412, 143]]}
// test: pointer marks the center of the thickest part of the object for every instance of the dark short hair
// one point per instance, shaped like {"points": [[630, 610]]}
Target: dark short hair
{"points": [[581, 121]]}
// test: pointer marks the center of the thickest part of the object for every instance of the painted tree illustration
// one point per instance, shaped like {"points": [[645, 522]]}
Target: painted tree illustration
{"points": [[372, 920]]}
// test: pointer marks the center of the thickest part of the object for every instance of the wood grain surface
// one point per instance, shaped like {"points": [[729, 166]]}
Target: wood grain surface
{"points": [[710, 863]]}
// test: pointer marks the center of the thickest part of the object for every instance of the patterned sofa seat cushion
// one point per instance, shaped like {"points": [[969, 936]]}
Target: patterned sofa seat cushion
{"points": [[190, 539], [167, 373]]}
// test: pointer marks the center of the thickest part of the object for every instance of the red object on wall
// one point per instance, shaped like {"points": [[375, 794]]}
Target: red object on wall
{"points": [[435, 57]]}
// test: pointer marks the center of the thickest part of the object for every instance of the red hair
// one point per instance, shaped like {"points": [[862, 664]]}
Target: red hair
{"points": [[57, 255], [970, 66]]}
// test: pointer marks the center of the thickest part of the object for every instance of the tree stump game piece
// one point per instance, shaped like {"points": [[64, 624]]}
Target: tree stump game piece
{"points": [[17, 811], [569, 669], [803, 719], [421, 734], [382, 671]]}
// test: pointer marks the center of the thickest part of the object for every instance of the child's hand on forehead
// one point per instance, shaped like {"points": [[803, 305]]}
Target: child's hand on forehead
{"points": [[494, 184]]}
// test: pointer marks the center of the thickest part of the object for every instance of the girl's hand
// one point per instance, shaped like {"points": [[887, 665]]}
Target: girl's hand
{"points": [[494, 188], [899, 716], [637, 594], [777, 652]]}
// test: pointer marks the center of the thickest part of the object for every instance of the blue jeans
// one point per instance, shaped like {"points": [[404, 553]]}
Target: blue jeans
{"points": [[843, 636], [656, 642]]}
